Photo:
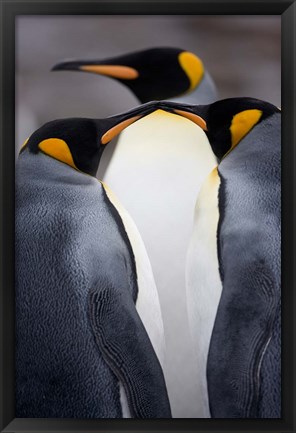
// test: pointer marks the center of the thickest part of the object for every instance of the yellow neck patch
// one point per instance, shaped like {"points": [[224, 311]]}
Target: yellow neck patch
{"points": [[24, 145], [242, 123], [193, 68], [58, 149]]}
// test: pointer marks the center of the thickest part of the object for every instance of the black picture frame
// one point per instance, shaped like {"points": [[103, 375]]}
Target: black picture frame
{"points": [[9, 10]]}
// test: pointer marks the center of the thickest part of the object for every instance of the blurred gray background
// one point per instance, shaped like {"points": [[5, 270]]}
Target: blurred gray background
{"points": [[242, 53]]}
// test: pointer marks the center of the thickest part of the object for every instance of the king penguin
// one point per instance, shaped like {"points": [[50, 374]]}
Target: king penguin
{"points": [[89, 331], [167, 158], [233, 263], [154, 74], [156, 170]]}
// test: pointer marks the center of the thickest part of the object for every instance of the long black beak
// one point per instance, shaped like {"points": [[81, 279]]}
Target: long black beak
{"points": [[110, 68], [71, 65]]}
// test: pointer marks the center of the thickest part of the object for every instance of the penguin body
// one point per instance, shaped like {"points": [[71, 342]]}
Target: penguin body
{"points": [[203, 283], [153, 149], [157, 172], [248, 361], [82, 348], [167, 158], [233, 263]]}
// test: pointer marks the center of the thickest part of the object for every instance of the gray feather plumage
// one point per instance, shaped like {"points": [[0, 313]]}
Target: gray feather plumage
{"points": [[244, 357], [70, 248]]}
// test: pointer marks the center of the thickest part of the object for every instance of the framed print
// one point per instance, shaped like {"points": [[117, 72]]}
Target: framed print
{"points": [[72, 71]]}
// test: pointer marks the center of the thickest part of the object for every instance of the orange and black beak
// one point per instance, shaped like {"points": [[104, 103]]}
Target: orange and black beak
{"points": [[196, 113], [110, 127], [118, 71]]}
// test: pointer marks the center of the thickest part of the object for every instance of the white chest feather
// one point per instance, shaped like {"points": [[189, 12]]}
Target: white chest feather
{"points": [[156, 171], [203, 280], [147, 305], [157, 168]]}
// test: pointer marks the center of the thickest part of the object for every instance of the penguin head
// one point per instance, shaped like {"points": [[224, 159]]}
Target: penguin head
{"points": [[226, 122], [80, 142], [152, 74]]}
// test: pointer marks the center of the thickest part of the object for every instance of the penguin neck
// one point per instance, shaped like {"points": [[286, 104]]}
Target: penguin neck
{"points": [[258, 146], [86, 163], [39, 165], [83, 158], [204, 93]]}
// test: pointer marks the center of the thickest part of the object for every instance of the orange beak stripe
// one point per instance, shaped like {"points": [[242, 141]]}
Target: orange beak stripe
{"points": [[194, 118], [123, 72], [111, 133]]}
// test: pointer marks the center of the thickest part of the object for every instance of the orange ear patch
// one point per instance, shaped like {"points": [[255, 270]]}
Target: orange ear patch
{"points": [[24, 145], [115, 71], [58, 149], [193, 68], [194, 118], [242, 123], [111, 133]]}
